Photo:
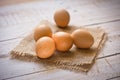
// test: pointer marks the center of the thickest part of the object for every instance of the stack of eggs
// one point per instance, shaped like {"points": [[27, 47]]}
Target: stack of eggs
{"points": [[47, 42]]}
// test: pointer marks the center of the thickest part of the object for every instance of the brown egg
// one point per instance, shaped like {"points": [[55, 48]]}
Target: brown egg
{"points": [[42, 30], [62, 18], [45, 47], [82, 38], [63, 41]]}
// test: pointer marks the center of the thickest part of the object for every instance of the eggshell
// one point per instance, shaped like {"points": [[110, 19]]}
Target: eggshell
{"points": [[62, 17], [45, 47], [63, 41], [42, 30], [82, 38]]}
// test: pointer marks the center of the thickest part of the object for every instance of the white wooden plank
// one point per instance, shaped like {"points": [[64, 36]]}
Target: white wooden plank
{"points": [[12, 2], [112, 29], [21, 29], [8, 46], [102, 70], [18, 66], [11, 67], [84, 12], [112, 45]]}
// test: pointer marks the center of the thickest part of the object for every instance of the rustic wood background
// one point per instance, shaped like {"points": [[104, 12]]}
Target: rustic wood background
{"points": [[19, 17]]}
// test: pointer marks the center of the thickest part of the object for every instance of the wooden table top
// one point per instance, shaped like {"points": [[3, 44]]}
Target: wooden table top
{"points": [[19, 17]]}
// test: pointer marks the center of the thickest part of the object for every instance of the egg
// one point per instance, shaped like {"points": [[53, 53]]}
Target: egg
{"points": [[61, 18], [63, 41], [82, 38], [45, 47], [42, 30]]}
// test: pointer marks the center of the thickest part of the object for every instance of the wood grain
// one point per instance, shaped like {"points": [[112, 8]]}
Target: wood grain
{"points": [[112, 30], [101, 70], [10, 71], [13, 2], [25, 16], [17, 20]]}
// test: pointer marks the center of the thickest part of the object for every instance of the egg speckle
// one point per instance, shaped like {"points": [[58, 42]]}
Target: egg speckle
{"points": [[42, 30], [45, 47], [62, 18], [63, 41], [82, 38]]}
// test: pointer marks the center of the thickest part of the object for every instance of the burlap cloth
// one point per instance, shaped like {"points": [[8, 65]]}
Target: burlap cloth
{"points": [[75, 59]]}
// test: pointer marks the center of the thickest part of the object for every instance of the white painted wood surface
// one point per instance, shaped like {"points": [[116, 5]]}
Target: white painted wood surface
{"points": [[17, 20]]}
